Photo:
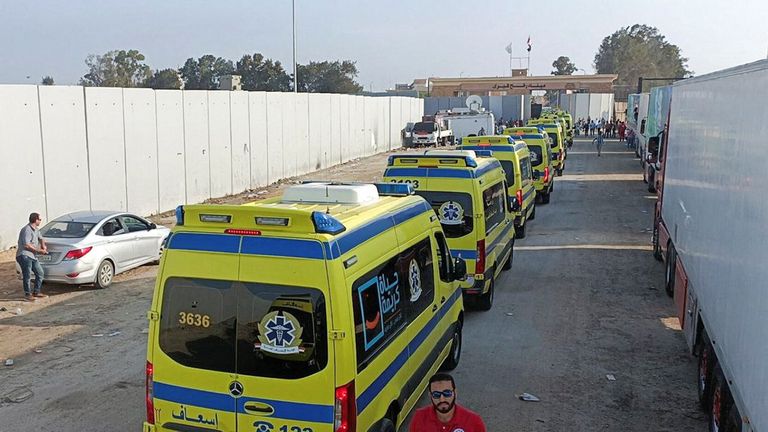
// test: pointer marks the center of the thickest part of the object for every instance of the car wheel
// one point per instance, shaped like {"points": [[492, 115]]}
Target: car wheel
{"points": [[485, 301], [454, 355], [669, 274], [104, 274]]}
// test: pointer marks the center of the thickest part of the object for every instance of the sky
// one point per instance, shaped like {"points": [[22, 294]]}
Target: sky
{"points": [[392, 41]]}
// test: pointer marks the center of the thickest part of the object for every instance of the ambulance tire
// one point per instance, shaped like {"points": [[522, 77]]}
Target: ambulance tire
{"points": [[454, 356], [533, 214], [508, 263], [386, 425], [485, 301], [545, 198], [560, 172], [520, 231], [669, 273]]}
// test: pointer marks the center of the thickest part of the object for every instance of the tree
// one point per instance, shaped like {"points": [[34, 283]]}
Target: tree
{"points": [[204, 73], [116, 69], [329, 77], [262, 75], [47, 80], [164, 79], [639, 51], [563, 66]]}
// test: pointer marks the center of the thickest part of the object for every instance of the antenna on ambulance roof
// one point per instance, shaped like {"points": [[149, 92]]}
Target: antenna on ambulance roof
{"points": [[327, 204]]}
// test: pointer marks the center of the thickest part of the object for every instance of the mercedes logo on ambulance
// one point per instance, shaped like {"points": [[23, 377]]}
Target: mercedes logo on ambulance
{"points": [[235, 389]]}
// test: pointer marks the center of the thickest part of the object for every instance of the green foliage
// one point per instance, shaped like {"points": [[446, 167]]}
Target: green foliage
{"points": [[47, 80], [262, 74], [329, 77], [639, 51], [204, 73], [116, 69], [563, 66], [164, 79]]}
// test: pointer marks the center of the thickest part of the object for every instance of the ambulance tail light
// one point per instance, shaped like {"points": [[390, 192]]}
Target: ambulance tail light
{"points": [[546, 174], [345, 409], [150, 394], [519, 196], [480, 261]]}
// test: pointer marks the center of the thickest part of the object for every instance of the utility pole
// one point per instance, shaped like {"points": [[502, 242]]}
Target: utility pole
{"points": [[295, 70]]}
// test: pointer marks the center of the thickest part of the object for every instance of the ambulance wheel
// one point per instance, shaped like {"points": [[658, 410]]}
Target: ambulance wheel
{"points": [[533, 214], [669, 274], [104, 274], [452, 361], [485, 301], [386, 425], [520, 231], [545, 198], [560, 172], [508, 263]]}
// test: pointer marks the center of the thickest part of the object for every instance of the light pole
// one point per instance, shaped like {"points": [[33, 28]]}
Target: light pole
{"points": [[583, 72], [295, 70]]}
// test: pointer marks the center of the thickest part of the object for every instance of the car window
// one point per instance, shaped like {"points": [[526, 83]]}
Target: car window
{"points": [[266, 330], [66, 229], [111, 227], [133, 224]]}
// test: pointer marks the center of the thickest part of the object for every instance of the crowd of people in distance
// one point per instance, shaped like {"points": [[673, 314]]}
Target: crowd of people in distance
{"points": [[611, 128]]}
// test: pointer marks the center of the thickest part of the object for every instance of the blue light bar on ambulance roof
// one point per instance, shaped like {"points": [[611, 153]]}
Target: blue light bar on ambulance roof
{"points": [[180, 215], [326, 224], [484, 153], [394, 189]]}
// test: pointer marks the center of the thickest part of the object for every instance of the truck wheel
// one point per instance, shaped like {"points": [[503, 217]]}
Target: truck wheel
{"points": [[733, 421], [669, 275], [656, 245], [454, 355], [706, 363], [652, 182], [719, 401], [485, 301]]}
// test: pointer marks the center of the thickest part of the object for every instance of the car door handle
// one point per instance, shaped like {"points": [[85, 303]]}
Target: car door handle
{"points": [[442, 300], [258, 407], [434, 308]]}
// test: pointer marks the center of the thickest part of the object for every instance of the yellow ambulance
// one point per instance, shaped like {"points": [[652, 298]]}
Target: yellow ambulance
{"points": [[324, 310], [468, 192], [541, 158], [515, 158], [555, 132]]}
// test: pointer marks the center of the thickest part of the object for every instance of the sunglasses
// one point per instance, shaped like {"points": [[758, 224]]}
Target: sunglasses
{"points": [[445, 393]]}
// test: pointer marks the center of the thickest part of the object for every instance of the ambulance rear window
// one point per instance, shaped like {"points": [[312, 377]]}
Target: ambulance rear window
{"points": [[264, 330], [537, 157], [509, 171], [454, 210]]}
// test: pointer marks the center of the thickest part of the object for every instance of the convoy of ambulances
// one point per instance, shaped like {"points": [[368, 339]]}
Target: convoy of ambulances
{"points": [[468, 192], [537, 141], [323, 310], [555, 133], [515, 159]]}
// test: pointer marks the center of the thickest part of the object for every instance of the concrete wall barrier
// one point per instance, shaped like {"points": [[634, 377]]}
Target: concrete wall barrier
{"points": [[68, 148]]}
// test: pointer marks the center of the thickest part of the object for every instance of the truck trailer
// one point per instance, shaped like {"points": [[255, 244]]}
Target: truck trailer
{"points": [[711, 231]]}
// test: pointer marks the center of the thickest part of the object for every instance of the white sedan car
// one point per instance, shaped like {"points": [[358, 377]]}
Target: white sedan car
{"points": [[93, 246]]}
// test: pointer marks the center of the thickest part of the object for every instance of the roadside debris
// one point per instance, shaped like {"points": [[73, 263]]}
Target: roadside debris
{"points": [[97, 335], [114, 333], [9, 362], [611, 377], [17, 395], [527, 397], [18, 311], [509, 314]]}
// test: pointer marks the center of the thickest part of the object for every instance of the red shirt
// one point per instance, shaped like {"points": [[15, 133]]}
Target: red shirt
{"points": [[425, 420]]}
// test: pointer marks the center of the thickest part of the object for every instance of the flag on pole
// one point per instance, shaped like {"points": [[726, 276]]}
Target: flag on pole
{"points": [[529, 43], [508, 48]]}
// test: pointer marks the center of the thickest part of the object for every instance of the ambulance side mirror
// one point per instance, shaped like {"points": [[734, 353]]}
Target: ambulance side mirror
{"points": [[459, 269]]}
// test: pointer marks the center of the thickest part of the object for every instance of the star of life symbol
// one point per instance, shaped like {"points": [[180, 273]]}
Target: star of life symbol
{"points": [[451, 213], [414, 280], [280, 333]]}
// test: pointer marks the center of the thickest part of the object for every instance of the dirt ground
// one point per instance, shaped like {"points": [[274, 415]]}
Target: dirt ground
{"points": [[582, 301]]}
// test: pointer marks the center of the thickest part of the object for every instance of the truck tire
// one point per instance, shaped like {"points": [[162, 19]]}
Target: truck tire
{"points": [[485, 301], [706, 362], [733, 421], [718, 407], [652, 181], [669, 274], [656, 246]]}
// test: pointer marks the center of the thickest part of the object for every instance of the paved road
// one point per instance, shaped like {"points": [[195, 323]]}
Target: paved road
{"points": [[585, 298]]}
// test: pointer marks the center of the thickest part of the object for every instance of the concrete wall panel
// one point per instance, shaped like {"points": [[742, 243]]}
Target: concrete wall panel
{"points": [[320, 148], [106, 147], [344, 121], [594, 106], [21, 153], [219, 143], [275, 136], [335, 122], [240, 141], [302, 143], [395, 124], [65, 152], [196, 149], [582, 106], [170, 148], [289, 134], [361, 140], [258, 129], [141, 161]]}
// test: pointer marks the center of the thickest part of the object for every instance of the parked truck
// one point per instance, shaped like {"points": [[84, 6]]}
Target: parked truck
{"points": [[711, 231], [432, 131]]}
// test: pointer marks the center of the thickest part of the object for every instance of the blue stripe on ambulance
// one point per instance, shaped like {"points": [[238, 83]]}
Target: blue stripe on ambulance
{"points": [[224, 402], [205, 242], [527, 194], [370, 393], [501, 148], [464, 253]]}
